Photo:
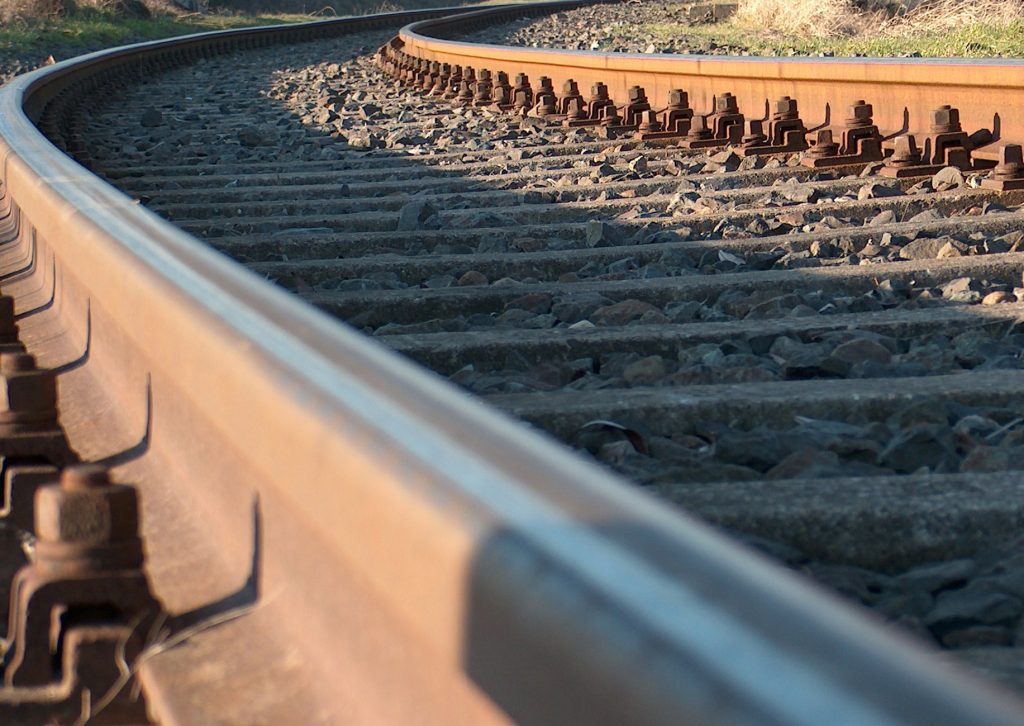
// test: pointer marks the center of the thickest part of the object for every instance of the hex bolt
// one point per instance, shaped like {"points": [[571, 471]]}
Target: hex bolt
{"points": [[598, 92], [824, 145], [860, 114], [1011, 163], [547, 106], [945, 120], [570, 88], [610, 115], [699, 131], [905, 152], [28, 395], [755, 133], [678, 99], [726, 103], [87, 523], [637, 94], [650, 123], [87, 555], [786, 108], [575, 110]]}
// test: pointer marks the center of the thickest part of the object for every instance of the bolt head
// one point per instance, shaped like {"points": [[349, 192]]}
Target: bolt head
{"points": [[1011, 154], [861, 111], [785, 106], [485, 75], [636, 93], [24, 389], [946, 116], [546, 83], [905, 146], [725, 103], [678, 97], [86, 515], [570, 88]]}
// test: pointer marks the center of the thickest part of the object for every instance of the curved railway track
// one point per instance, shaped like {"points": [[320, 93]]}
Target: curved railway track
{"points": [[820, 358]]}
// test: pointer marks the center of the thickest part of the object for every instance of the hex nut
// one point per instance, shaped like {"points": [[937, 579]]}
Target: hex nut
{"points": [[678, 97], [946, 116], [861, 111], [95, 514], [26, 392], [785, 106]]}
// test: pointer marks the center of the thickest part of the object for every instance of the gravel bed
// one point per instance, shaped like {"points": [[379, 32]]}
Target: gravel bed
{"points": [[591, 310], [615, 28], [919, 439], [974, 606], [760, 357]]}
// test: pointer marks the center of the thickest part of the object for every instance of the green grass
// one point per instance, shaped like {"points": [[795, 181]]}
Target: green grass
{"points": [[976, 40], [97, 29]]}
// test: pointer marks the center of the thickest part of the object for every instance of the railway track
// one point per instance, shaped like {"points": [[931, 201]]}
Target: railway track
{"points": [[821, 359]]}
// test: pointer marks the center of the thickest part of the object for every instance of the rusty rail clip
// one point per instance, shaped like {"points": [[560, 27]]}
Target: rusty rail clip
{"points": [[501, 93], [31, 440], [545, 103], [786, 133], [725, 122], [671, 122], [861, 141], [522, 94], [1008, 174], [946, 144], [594, 108], [87, 570]]}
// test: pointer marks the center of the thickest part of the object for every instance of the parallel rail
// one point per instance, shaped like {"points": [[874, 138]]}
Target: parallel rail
{"points": [[904, 92], [380, 547]]}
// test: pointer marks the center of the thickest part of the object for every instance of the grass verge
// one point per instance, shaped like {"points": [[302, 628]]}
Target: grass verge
{"points": [[934, 29], [94, 29]]}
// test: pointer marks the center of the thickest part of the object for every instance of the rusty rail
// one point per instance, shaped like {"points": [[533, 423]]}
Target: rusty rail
{"points": [[341, 537], [922, 114]]}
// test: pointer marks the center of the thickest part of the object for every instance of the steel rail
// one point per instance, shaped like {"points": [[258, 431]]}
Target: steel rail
{"points": [[903, 92], [349, 539]]}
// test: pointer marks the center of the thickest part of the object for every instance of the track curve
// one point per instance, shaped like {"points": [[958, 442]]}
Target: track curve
{"points": [[362, 525]]}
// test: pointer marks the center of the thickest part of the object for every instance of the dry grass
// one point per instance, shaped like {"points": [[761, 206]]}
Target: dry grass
{"points": [[813, 18], [940, 16], [15, 10], [873, 18]]}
